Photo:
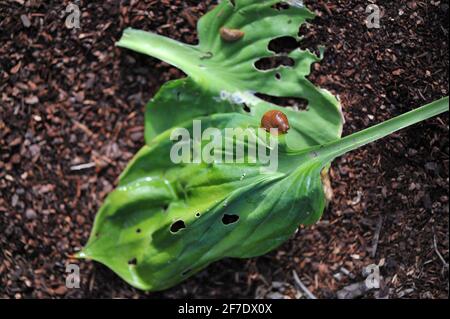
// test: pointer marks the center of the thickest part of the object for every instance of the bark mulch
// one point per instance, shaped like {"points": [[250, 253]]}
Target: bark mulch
{"points": [[69, 97]]}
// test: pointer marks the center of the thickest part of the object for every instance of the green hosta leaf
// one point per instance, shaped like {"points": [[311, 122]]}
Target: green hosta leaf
{"points": [[167, 221], [132, 232]]}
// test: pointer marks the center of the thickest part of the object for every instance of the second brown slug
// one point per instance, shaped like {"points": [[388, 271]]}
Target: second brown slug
{"points": [[275, 119], [231, 35]]}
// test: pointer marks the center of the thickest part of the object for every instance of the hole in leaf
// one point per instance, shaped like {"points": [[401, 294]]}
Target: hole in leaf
{"points": [[177, 226], [283, 44], [229, 219], [304, 31], [295, 102], [278, 76], [197, 215], [246, 108], [187, 271], [132, 262], [138, 230], [165, 207], [269, 63], [280, 6]]}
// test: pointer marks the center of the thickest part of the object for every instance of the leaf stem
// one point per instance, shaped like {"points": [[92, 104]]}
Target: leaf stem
{"points": [[180, 55], [340, 147]]}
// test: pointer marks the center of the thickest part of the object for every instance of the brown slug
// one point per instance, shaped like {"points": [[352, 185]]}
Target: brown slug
{"points": [[231, 35], [275, 119]]}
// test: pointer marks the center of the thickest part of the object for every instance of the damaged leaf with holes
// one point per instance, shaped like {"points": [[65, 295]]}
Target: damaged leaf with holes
{"points": [[167, 221], [243, 76]]}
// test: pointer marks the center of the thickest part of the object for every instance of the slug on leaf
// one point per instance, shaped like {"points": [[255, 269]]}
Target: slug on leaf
{"points": [[275, 119], [231, 35]]}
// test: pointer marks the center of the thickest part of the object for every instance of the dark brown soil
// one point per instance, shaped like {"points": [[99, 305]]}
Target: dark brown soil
{"points": [[70, 97]]}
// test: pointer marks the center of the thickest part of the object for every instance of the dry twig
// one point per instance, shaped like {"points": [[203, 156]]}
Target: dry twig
{"points": [[299, 283], [376, 237]]}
